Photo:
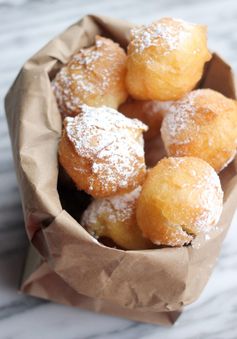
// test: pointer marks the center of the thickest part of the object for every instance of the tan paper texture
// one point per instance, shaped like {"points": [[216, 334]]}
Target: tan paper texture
{"points": [[67, 264]]}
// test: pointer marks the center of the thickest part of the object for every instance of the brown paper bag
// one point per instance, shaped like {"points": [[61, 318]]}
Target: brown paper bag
{"points": [[65, 263]]}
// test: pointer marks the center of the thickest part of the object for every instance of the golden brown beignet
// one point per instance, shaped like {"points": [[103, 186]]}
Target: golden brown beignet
{"points": [[115, 218], [202, 124], [180, 198], [102, 151], [94, 76], [165, 59], [149, 112]]}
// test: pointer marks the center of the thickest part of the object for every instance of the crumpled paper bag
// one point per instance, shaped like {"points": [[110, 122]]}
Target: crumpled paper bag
{"points": [[65, 263]]}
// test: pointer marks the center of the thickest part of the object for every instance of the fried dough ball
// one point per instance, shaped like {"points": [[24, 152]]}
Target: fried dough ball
{"points": [[165, 59], [149, 112], [115, 218], [94, 76], [202, 124], [181, 198], [102, 151]]}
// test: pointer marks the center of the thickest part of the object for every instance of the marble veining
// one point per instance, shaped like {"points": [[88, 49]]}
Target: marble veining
{"points": [[25, 26]]}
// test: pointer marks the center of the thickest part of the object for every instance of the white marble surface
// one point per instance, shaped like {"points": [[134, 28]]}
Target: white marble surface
{"points": [[26, 25]]}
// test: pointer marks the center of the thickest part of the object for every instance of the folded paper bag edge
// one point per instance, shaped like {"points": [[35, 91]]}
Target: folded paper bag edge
{"points": [[36, 284]]}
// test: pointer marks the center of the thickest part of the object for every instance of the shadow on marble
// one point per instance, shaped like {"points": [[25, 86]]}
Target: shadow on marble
{"points": [[11, 267]]}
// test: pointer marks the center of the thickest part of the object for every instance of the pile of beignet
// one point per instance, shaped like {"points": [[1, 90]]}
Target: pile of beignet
{"points": [[111, 101]]}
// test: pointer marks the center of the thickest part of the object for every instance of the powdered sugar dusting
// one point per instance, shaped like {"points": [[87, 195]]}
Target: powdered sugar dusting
{"points": [[167, 33], [153, 107], [179, 236], [210, 201], [111, 142], [196, 200], [198, 122], [178, 119], [205, 194], [80, 78], [117, 208]]}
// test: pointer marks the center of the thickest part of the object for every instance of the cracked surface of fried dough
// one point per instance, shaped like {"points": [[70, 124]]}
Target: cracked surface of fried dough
{"points": [[103, 151]]}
